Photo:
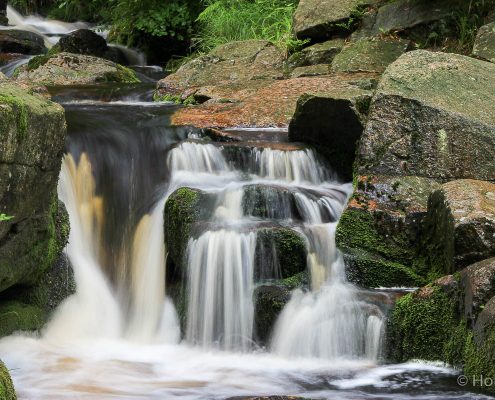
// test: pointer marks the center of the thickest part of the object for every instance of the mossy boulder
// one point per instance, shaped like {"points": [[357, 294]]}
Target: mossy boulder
{"points": [[36, 228], [23, 42], [484, 45], [74, 69], [417, 127], [7, 391], [459, 228], [310, 70], [380, 229], [83, 41], [332, 122], [423, 324], [319, 53], [369, 55], [231, 62], [269, 301]]}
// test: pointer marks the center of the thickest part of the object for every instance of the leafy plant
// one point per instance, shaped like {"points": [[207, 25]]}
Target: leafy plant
{"points": [[5, 217], [224, 21]]}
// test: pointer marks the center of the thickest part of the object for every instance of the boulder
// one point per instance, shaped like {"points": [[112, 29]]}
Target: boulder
{"points": [[332, 122], [319, 53], [34, 227], [73, 69], [379, 230], [485, 324], [231, 62], [7, 391], [369, 55], [484, 45], [24, 42], [478, 285], [319, 19], [402, 15], [84, 41], [459, 228], [418, 127]]}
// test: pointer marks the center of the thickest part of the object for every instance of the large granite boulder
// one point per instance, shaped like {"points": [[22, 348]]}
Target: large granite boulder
{"points": [[73, 69], [459, 228], [484, 45], [319, 19], [230, 62], [369, 55], [84, 41], [332, 122], [23, 42], [432, 116]]}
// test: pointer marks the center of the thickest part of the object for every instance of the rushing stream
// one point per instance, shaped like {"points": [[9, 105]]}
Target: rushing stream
{"points": [[120, 335]]}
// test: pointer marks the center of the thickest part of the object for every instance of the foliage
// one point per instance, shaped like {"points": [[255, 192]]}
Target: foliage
{"points": [[229, 20], [468, 20], [5, 217]]}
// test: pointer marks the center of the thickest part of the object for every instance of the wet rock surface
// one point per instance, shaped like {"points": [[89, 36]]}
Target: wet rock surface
{"points": [[19, 41]]}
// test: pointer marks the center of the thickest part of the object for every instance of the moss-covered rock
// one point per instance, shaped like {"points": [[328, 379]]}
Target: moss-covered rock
{"points": [[459, 228], [74, 69], [269, 301], [310, 70], [33, 136], [484, 45], [333, 123], [422, 324], [369, 55], [417, 127], [7, 391], [380, 230]]}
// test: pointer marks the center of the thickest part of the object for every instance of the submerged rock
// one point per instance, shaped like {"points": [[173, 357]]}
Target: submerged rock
{"points": [[7, 391], [417, 127], [333, 122], [23, 42], [369, 55], [73, 69], [484, 45], [460, 225]]}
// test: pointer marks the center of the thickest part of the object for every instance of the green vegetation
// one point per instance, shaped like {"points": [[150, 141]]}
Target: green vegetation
{"points": [[7, 391], [224, 21], [5, 217]]}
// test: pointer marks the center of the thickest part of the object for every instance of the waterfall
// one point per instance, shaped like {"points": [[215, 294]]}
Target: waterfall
{"points": [[196, 157], [220, 311]]}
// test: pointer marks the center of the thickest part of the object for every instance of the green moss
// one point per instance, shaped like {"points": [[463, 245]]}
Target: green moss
{"points": [[359, 229], [38, 61], [181, 211], [122, 75], [300, 280], [290, 249], [20, 110], [16, 316], [269, 301], [422, 326], [371, 271], [172, 98], [7, 391], [480, 360]]}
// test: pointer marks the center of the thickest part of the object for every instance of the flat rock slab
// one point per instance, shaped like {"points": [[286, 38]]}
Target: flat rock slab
{"points": [[369, 55], [319, 53], [268, 103], [231, 62], [484, 45], [432, 116]]}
